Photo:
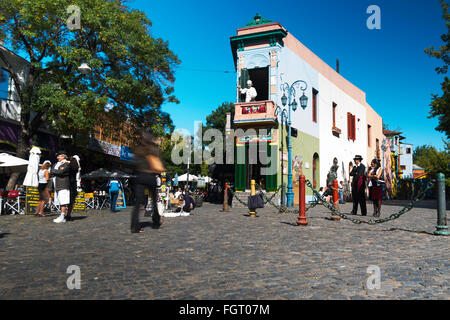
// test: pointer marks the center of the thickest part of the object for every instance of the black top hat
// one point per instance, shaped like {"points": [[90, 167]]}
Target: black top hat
{"points": [[358, 157], [61, 153]]}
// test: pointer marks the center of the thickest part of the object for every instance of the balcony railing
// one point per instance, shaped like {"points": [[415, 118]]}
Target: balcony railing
{"points": [[256, 111]]}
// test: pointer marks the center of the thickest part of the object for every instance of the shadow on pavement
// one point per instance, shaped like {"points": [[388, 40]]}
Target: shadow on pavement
{"points": [[78, 218], [4, 234], [413, 231], [424, 204]]}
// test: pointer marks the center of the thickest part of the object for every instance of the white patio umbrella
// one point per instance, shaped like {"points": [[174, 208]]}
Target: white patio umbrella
{"points": [[10, 164], [183, 177], [207, 179], [31, 178]]}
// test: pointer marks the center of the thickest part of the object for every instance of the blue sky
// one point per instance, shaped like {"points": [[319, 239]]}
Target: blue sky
{"points": [[388, 64]]}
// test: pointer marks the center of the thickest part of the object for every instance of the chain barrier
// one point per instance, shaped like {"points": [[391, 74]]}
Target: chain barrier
{"points": [[393, 216], [282, 208], [237, 198]]}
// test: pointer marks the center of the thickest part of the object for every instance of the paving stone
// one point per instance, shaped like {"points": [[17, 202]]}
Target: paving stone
{"points": [[217, 255]]}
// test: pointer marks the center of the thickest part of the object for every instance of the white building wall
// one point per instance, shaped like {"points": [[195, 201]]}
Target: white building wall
{"points": [[292, 68], [406, 160], [340, 147], [10, 109]]}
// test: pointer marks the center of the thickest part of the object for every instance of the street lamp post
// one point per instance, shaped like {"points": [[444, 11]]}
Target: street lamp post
{"points": [[283, 115], [291, 90]]}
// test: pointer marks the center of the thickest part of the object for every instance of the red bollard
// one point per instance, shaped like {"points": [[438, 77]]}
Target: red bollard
{"points": [[301, 210], [335, 199], [225, 199]]}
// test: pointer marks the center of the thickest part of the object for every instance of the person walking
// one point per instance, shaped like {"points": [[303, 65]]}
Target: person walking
{"points": [[61, 171], [341, 192], [44, 194], [73, 188], [148, 165], [114, 187], [359, 186], [375, 186]]}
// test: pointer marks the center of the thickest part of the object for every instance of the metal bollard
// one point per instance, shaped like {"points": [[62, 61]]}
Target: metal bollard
{"points": [[301, 204], [441, 228], [283, 194], [225, 199], [252, 193], [335, 200]]}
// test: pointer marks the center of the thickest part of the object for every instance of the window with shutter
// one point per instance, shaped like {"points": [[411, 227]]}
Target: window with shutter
{"points": [[349, 125], [353, 128]]}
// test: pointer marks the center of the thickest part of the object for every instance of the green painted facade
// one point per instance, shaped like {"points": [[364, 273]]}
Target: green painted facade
{"points": [[303, 145]]}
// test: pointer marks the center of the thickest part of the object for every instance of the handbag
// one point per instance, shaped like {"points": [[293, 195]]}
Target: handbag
{"points": [[255, 202]]}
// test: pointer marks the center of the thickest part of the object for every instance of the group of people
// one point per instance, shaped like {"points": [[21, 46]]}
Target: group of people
{"points": [[65, 178], [375, 184], [372, 179]]}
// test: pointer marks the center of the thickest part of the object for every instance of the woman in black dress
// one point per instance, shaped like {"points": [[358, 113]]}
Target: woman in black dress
{"points": [[375, 186]]}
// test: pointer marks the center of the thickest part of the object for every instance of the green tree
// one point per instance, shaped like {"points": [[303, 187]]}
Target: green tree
{"points": [[132, 72], [218, 117], [432, 160], [440, 105]]}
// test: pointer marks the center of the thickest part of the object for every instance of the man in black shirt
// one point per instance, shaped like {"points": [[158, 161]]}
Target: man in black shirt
{"points": [[359, 186]]}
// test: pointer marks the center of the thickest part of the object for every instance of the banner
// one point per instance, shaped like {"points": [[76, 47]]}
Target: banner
{"points": [[121, 203], [31, 199], [80, 203], [105, 147], [125, 153]]}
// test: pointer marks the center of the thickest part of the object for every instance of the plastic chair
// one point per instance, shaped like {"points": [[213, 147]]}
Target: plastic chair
{"points": [[89, 200], [12, 203], [51, 203]]}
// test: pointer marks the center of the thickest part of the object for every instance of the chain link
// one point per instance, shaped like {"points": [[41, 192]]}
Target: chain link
{"points": [[393, 216], [237, 198], [282, 208]]}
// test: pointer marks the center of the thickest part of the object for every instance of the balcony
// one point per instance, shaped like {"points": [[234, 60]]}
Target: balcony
{"points": [[262, 112]]}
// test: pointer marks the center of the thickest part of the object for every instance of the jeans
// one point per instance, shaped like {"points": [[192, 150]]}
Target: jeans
{"points": [[144, 180], [341, 196], [114, 196]]}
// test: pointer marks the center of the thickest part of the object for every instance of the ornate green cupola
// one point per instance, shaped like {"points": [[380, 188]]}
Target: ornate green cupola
{"points": [[271, 36], [257, 20]]}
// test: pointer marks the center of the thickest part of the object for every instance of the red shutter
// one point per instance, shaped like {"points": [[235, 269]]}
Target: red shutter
{"points": [[353, 128], [349, 125]]}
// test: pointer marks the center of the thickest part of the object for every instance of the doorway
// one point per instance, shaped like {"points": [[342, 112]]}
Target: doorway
{"points": [[260, 79]]}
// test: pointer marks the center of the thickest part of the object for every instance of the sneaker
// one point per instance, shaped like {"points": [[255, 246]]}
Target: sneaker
{"points": [[60, 219]]}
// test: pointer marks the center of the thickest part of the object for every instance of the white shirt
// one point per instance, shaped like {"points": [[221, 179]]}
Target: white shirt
{"points": [[370, 180], [41, 175], [250, 93]]}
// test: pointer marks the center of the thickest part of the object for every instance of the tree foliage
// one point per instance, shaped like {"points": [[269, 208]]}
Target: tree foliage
{"points": [[132, 72], [218, 117], [440, 105], [432, 160]]}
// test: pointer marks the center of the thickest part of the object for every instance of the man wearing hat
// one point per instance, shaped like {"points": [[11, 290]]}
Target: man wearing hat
{"points": [[61, 171], [359, 186]]}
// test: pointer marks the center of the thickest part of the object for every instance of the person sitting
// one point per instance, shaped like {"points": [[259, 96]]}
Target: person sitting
{"points": [[189, 203], [328, 195], [320, 193]]}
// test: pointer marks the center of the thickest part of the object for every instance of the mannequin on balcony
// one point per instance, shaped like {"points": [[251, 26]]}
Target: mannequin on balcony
{"points": [[250, 91]]}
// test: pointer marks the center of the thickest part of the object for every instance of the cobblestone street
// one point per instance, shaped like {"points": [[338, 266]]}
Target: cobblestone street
{"points": [[218, 255]]}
